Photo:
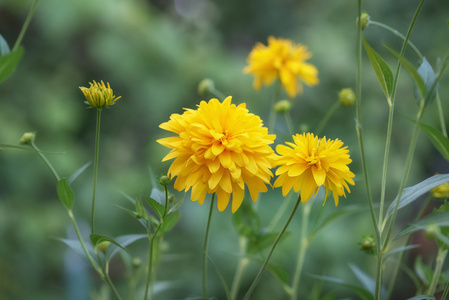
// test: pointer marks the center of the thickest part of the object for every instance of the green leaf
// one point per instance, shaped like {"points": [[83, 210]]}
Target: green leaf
{"points": [[4, 48], [263, 240], [96, 239], [170, 221], [124, 241], [77, 173], [363, 293], [438, 139], [158, 208], [410, 194], [367, 281], [15, 147], [9, 62], [279, 272], [400, 249], [425, 297], [65, 193], [142, 221], [412, 71], [428, 75], [75, 245], [438, 218], [381, 69], [140, 209]]}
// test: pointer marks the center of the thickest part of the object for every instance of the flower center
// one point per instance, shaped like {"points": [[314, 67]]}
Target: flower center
{"points": [[314, 160]]}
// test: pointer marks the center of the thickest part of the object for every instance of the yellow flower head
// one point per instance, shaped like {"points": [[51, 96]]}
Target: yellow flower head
{"points": [[309, 163], [284, 60], [99, 95], [218, 149]]}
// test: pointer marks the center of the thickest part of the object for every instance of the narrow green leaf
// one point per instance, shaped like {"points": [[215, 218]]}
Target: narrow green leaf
{"points": [[140, 209], [170, 221], [425, 297], [15, 147], [279, 272], [363, 293], [381, 69], [412, 71], [367, 281], [142, 221], [428, 75], [77, 173], [65, 193], [96, 239], [438, 218], [158, 208], [124, 241], [9, 62], [438, 139], [175, 204], [4, 48], [410, 194], [222, 279], [400, 249], [77, 248]]}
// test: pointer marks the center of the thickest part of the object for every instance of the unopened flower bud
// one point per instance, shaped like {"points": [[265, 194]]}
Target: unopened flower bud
{"points": [[432, 231], [368, 244], [283, 106], [441, 191], [27, 138], [206, 86], [346, 97], [365, 20], [164, 180], [136, 262], [103, 246]]}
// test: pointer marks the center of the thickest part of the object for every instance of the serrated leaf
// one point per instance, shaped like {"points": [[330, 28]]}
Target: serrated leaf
{"points": [[410, 194], [77, 173], [170, 221], [9, 62], [158, 208], [428, 75], [4, 48], [438, 139], [65, 193], [412, 71], [381, 69], [437, 218], [363, 293]]}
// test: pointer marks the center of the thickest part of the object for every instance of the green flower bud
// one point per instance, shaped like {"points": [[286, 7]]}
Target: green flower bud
{"points": [[103, 246], [368, 244], [346, 97], [27, 138], [164, 180], [136, 262], [283, 106], [365, 20], [432, 231], [206, 86]]}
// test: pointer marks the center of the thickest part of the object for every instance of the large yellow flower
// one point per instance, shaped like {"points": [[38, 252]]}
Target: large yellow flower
{"points": [[218, 149], [309, 163], [284, 60]]}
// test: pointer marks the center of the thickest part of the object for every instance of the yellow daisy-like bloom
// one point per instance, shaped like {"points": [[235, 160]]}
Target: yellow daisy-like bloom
{"points": [[99, 95], [218, 149], [309, 163], [284, 60]]}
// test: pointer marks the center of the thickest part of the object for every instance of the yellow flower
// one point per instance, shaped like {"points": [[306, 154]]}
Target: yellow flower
{"points": [[309, 163], [284, 60], [98, 95], [441, 191], [218, 149]]}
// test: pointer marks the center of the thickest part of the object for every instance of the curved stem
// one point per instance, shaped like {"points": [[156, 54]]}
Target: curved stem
{"points": [[206, 242], [441, 256], [302, 250], [25, 25], [106, 278], [46, 161], [256, 280], [326, 118], [243, 263], [97, 150]]}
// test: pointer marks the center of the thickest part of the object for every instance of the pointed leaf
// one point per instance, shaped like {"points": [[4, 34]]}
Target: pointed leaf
{"points": [[410, 194], [96, 239], [65, 193], [279, 272], [124, 241], [9, 62], [4, 48], [15, 147], [438, 218], [175, 204], [412, 71], [363, 293], [264, 240], [368, 282], [142, 221], [77, 173], [76, 246], [158, 208], [158, 195], [170, 221], [428, 76], [438, 139], [425, 297], [381, 69], [400, 249]]}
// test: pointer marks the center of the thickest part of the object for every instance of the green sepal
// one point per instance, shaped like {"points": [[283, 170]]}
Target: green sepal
{"points": [[158, 208], [65, 193], [9, 62], [381, 69]]}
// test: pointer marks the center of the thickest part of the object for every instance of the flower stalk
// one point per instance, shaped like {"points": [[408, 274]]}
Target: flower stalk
{"points": [[205, 247], [97, 150]]}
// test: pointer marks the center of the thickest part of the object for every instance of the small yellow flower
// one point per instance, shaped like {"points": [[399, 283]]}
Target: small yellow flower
{"points": [[284, 60], [219, 148], [441, 191], [309, 163], [99, 95]]}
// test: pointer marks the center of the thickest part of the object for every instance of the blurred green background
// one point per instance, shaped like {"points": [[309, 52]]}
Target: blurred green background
{"points": [[154, 54]]}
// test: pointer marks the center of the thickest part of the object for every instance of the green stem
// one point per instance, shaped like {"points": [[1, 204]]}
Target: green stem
{"points": [[25, 25], [106, 278], [46, 161], [206, 242], [441, 257], [97, 150], [304, 243], [441, 115], [243, 263], [289, 122], [256, 280], [326, 118]]}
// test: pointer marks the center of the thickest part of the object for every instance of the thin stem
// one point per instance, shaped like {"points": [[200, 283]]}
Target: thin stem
{"points": [[441, 115], [441, 257], [206, 242], [97, 150], [46, 161], [243, 263], [106, 278], [304, 243], [289, 122], [25, 25], [256, 280], [326, 118]]}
